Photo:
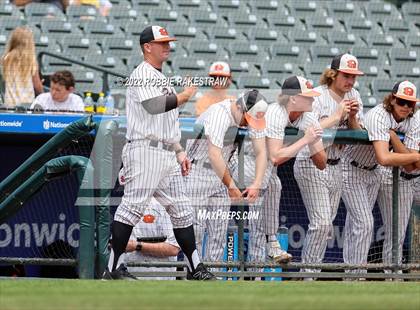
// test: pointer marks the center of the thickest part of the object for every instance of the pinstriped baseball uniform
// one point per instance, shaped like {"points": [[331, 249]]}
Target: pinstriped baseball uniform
{"points": [[151, 170], [361, 184], [160, 227], [321, 189], [406, 191], [256, 248], [277, 120], [204, 187]]}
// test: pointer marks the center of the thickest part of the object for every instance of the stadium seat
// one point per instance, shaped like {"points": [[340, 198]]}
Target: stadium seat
{"points": [[408, 72], [239, 66], [225, 35], [206, 19], [146, 5], [324, 54], [35, 13], [83, 12], [97, 30], [362, 26], [248, 52], [88, 81], [108, 62], [323, 25], [262, 8], [244, 21], [78, 45], [403, 56], [132, 30], [187, 32], [45, 43], [395, 27], [191, 65], [206, 49], [120, 47], [343, 11], [382, 41], [275, 71], [315, 69], [166, 17], [412, 41], [188, 5], [411, 11], [58, 29], [256, 82], [305, 38], [9, 23], [382, 87], [303, 9], [7, 9], [265, 37], [344, 40], [380, 11], [289, 54], [370, 101], [223, 7], [120, 15], [133, 61], [283, 22]]}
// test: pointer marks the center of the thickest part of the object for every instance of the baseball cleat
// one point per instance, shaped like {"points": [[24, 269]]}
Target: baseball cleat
{"points": [[275, 253], [121, 273], [202, 274]]}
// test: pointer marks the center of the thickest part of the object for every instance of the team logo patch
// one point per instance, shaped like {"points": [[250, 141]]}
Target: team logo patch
{"points": [[163, 32], [260, 115], [408, 91], [351, 64], [148, 218], [218, 67]]}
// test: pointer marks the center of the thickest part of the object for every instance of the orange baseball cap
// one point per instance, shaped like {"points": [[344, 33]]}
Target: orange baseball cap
{"points": [[405, 90], [346, 63], [219, 68], [255, 106], [155, 34], [298, 85]]}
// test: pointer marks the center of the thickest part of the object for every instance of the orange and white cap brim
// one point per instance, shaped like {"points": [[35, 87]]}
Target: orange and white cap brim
{"points": [[257, 124], [400, 91]]}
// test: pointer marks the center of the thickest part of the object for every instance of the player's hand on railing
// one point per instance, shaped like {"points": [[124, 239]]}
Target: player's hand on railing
{"points": [[313, 134]]}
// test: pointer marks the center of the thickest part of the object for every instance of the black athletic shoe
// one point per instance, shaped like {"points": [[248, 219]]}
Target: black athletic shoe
{"points": [[121, 273], [202, 274]]}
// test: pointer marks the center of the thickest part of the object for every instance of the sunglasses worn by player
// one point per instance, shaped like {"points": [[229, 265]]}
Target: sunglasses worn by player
{"points": [[403, 102]]}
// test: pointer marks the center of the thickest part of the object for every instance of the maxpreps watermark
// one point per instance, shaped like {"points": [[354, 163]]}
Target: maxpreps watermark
{"points": [[175, 81], [227, 215]]}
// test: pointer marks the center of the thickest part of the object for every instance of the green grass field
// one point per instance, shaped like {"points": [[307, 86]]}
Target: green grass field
{"points": [[103, 295]]}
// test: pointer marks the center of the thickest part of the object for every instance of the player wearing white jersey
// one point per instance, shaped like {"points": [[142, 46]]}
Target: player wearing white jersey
{"points": [[150, 156], [361, 176], [338, 107], [408, 175], [293, 110], [210, 184]]}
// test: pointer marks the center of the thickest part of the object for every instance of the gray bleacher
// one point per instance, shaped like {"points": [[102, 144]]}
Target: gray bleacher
{"points": [[263, 40]]}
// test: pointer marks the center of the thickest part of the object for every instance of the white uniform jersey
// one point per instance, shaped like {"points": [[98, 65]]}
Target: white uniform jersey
{"points": [[324, 106], [160, 227], [216, 120], [277, 120], [378, 122], [411, 141], [163, 127]]}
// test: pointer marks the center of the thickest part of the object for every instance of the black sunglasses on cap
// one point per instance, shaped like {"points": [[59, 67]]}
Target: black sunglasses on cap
{"points": [[403, 102]]}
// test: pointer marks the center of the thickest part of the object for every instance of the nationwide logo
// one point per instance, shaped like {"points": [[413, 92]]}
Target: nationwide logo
{"points": [[53, 125], [11, 124]]}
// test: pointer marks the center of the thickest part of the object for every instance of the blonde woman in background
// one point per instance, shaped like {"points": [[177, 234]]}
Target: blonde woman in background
{"points": [[20, 68]]}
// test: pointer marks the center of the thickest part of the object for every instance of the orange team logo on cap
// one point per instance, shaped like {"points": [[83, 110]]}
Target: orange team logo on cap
{"points": [[218, 67], [351, 64], [163, 32], [309, 85], [148, 218], [408, 91]]}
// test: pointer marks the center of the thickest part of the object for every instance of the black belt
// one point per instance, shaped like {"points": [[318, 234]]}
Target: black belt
{"points": [[408, 176], [357, 165], [333, 162], [204, 165], [155, 143]]}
